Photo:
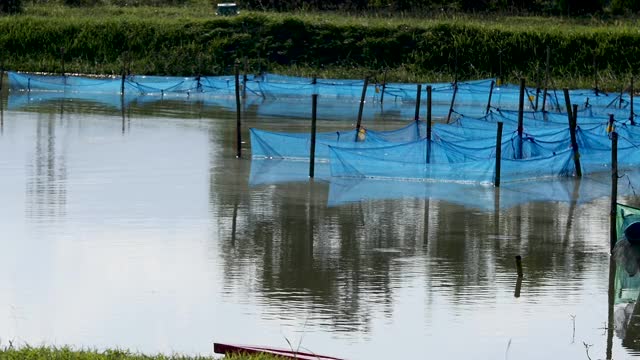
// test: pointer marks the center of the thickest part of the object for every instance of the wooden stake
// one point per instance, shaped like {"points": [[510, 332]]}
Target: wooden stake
{"points": [[496, 181], [238, 121], [418, 95], [519, 265], [614, 189], [244, 78], [1, 74], [493, 83], [62, 60], [312, 151], [574, 143], [520, 117], [595, 74], [453, 100], [631, 114], [384, 86], [567, 101], [516, 293], [546, 81], [362, 99], [122, 82], [428, 123]]}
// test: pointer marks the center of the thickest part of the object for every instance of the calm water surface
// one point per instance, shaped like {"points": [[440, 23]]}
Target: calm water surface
{"points": [[141, 230]]}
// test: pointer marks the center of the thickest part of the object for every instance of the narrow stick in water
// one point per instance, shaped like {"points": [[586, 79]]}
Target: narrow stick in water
{"points": [[496, 181], [62, 60], [417, 113], [567, 102], [362, 98], [631, 114], [546, 81], [573, 124], [520, 117], [428, 123], [453, 100], [312, 150], [244, 78], [384, 86], [493, 83], [519, 265], [238, 121], [614, 189], [418, 95]]}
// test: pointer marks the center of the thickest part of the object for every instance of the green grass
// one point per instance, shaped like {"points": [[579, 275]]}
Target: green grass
{"points": [[190, 40], [67, 353]]}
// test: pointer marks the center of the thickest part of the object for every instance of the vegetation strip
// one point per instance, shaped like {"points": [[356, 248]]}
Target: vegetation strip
{"points": [[191, 40], [67, 353]]}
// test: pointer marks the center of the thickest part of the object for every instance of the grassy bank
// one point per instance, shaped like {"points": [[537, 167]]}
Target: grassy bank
{"points": [[191, 40], [65, 353]]}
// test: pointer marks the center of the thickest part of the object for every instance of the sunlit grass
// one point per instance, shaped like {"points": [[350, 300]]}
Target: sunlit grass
{"points": [[67, 353], [435, 47]]}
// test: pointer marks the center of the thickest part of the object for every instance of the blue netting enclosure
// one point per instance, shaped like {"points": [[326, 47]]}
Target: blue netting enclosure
{"points": [[268, 91], [283, 145]]}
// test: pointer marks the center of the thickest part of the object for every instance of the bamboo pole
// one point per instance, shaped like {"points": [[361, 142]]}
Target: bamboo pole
{"points": [[496, 181], [384, 86], [595, 74], [453, 100], [520, 117], [519, 265], [574, 143], [361, 108], [631, 114], [1, 74], [614, 190], [418, 95], [546, 80], [62, 61], [238, 119], [567, 101], [312, 150], [493, 83], [428, 123], [244, 78]]}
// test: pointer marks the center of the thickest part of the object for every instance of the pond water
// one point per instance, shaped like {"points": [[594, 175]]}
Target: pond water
{"points": [[139, 229]]}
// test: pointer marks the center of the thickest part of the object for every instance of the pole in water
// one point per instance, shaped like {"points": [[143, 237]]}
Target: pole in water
{"points": [[567, 102], [312, 151], [122, 82], [428, 123], [416, 117], [493, 83], [573, 124], [614, 189], [453, 100], [238, 121], [244, 78], [1, 73], [496, 181], [519, 265], [521, 117], [362, 98], [546, 80], [631, 114], [384, 86], [62, 60], [595, 74]]}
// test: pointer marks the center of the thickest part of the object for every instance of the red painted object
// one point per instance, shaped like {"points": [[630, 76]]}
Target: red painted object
{"points": [[219, 348]]}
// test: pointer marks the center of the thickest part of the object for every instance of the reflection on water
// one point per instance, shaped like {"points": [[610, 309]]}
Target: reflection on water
{"points": [[136, 227]]}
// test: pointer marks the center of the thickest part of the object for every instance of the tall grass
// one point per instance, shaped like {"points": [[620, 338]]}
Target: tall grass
{"points": [[190, 40], [67, 353]]}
